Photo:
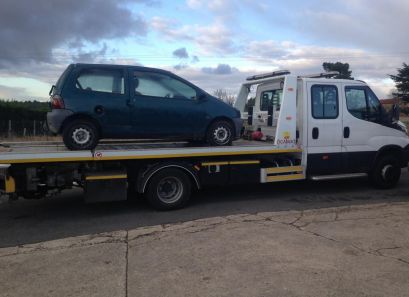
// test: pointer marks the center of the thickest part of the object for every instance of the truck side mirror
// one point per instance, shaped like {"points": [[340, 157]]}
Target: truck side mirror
{"points": [[395, 112]]}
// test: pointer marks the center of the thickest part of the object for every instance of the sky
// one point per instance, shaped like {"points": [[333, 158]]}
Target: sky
{"points": [[215, 44]]}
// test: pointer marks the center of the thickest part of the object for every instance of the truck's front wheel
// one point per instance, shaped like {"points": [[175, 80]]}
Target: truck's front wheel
{"points": [[386, 172], [169, 189]]}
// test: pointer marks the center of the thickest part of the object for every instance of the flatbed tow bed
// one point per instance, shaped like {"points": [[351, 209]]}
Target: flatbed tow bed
{"points": [[117, 170], [44, 152]]}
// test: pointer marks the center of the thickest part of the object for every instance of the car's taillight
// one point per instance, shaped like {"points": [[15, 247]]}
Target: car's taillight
{"points": [[57, 102]]}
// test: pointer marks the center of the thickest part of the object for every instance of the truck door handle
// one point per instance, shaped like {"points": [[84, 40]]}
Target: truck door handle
{"points": [[99, 109], [346, 132], [315, 133]]}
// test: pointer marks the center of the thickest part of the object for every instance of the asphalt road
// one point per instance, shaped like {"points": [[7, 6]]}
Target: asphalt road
{"points": [[65, 215]]}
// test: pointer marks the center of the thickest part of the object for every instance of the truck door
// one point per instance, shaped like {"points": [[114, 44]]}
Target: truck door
{"points": [[324, 152], [362, 118]]}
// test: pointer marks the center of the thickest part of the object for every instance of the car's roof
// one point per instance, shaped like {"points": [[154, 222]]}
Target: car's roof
{"points": [[142, 68]]}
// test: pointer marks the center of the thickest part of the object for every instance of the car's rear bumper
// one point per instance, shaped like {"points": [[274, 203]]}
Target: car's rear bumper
{"points": [[55, 119]]}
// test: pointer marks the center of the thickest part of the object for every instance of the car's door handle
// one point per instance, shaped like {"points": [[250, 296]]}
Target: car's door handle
{"points": [[346, 132], [99, 109], [315, 133]]}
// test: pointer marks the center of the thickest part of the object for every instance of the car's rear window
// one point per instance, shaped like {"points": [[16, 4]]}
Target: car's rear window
{"points": [[101, 80], [62, 78]]}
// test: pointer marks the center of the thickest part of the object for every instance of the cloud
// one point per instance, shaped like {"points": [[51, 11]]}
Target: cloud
{"points": [[215, 38], [181, 53], [15, 93], [302, 59], [221, 69], [195, 59], [90, 56], [34, 31], [379, 25], [148, 2], [171, 29], [180, 66], [194, 4]]}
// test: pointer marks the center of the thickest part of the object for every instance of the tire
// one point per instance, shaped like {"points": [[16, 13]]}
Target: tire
{"points": [[220, 133], [386, 172], [80, 135], [169, 189]]}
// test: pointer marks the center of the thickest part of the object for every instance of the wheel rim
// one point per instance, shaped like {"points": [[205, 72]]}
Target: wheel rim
{"points": [[221, 135], [389, 173], [170, 190], [81, 136]]}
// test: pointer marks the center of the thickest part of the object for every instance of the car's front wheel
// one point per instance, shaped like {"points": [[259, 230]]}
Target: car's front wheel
{"points": [[220, 133], [80, 135]]}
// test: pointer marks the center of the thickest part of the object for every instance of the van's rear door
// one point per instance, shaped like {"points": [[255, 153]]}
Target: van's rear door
{"points": [[324, 128]]}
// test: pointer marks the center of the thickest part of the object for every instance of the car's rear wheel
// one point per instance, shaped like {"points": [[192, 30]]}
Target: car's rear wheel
{"points": [[80, 135], [220, 133]]}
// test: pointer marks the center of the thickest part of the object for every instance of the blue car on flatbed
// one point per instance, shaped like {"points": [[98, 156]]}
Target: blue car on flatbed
{"points": [[94, 101]]}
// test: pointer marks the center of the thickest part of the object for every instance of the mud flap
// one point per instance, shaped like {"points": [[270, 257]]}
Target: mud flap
{"points": [[105, 186]]}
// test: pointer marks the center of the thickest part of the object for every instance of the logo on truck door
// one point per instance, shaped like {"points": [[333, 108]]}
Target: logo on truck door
{"points": [[286, 138]]}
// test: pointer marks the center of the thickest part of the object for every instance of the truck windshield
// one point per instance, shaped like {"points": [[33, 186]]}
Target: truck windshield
{"points": [[271, 98]]}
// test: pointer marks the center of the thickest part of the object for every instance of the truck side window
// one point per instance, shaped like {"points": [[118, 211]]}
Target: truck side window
{"points": [[270, 98], [363, 104], [374, 107], [324, 101], [161, 85], [101, 80]]}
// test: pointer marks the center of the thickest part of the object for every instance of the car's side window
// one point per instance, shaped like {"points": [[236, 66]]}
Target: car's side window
{"points": [[153, 84], [363, 104], [101, 80], [324, 102]]}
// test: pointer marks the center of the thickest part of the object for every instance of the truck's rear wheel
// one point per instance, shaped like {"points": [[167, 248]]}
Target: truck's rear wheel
{"points": [[169, 189], [386, 172]]}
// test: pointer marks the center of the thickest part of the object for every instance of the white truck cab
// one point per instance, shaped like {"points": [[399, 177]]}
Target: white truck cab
{"points": [[339, 124]]}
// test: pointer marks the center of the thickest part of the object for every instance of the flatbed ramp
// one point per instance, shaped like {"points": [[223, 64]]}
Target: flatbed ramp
{"points": [[56, 152]]}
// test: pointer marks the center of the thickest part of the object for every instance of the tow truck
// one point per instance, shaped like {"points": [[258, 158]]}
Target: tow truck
{"points": [[316, 127]]}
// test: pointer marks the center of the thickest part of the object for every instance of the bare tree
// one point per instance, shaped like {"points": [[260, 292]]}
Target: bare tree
{"points": [[225, 96]]}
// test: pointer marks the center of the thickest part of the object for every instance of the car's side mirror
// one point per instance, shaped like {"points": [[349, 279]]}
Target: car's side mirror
{"points": [[202, 97]]}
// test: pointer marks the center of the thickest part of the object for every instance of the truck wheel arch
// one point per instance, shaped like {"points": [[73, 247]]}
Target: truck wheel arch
{"points": [[145, 176], [389, 150]]}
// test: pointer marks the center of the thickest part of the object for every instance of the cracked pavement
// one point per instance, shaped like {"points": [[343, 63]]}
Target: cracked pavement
{"points": [[360, 250]]}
